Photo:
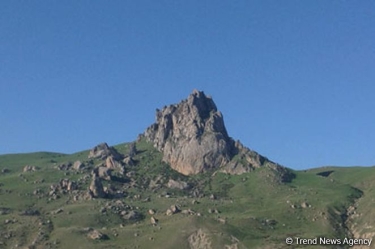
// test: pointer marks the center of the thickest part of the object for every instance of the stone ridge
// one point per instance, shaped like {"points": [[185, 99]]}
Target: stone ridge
{"points": [[193, 139]]}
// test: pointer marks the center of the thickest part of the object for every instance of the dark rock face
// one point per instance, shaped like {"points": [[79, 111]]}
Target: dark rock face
{"points": [[193, 139]]}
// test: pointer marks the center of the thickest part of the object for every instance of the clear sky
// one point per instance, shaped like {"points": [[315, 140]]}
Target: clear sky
{"points": [[295, 80]]}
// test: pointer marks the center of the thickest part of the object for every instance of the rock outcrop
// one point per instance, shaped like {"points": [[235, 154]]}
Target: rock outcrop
{"points": [[103, 172], [78, 165], [102, 151], [96, 235], [191, 135], [96, 187], [199, 240], [193, 139], [112, 163], [177, 184], [29, 168]]}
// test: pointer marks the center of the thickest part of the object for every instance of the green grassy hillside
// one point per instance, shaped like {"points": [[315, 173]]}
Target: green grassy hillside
{"points": [[251, 210]]}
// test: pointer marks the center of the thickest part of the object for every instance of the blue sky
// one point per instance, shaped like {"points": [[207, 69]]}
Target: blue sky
{"points": [[295, 80]]}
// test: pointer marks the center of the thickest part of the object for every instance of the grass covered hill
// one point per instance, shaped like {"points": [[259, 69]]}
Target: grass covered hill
{"points": [[146, 204]]}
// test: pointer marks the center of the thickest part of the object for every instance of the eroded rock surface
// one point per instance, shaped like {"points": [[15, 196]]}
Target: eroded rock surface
{"points": [[96, 187], [191, 135], [103, 151], [193, 139], [199, 240]]}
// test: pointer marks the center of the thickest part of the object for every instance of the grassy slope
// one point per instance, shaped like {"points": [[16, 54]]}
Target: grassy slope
{"points": [[362, 178], [257, 210]]}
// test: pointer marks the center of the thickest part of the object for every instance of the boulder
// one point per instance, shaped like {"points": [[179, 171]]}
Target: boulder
{"points": [[305, 205], [66, 184], [153, 220], [29, 168], [103, 172], [78, 165], [102, 151], [96, 235], [96, 187], [151, 211], [132, 215], [172, 210], [64, 166], [177, 184], [112, 163]]}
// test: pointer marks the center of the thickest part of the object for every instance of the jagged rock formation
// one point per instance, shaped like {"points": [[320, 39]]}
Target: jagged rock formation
{"points": [[112, 163], [96, 187], [191, 135], [103, 151], [193, 139]]}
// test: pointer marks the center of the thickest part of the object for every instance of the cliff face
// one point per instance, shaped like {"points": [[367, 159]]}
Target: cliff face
{"points": [[193, 139]]}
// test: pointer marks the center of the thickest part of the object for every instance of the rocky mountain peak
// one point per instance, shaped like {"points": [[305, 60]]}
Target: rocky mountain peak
{"points": [[193, 139], [191, 135]]}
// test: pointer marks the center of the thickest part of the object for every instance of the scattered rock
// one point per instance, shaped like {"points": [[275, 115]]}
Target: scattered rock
{"points": [[96, 235], [222, 220], [29, 168], [199, 240], [151, 211], [64, 166], [102, 151], [78, 165], [172, 210], [66, 184], [304, 205], [169, 212], [177, 184], [153, 220], [57, 211], [213, 211], [30, 212], [132, 215], [189, 212]]}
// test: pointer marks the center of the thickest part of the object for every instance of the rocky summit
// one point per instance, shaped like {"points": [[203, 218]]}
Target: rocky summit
{"points": [[193, 139]]}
